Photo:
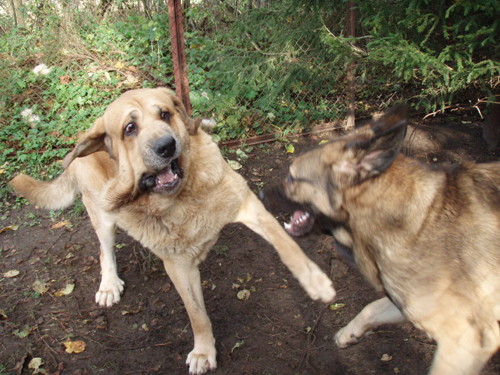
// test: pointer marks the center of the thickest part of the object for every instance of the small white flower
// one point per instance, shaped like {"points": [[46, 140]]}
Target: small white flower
{"points": [[41, 69], [32, 119]]}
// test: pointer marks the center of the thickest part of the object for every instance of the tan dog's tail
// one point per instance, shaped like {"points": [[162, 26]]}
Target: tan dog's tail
{"points": [[52, 195]]}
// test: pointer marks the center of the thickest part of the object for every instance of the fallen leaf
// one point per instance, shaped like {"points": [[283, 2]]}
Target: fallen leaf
{"points": [[237, 345], [64, 80], [3, 316], [40, 287], [35, 364], [11, 273], [290, 149], [145, 327], [120, 65], [135, 310], [243, 295], [24, 333], [75, 346], [323, 141], [386, 358], [396, 370], [245, 279], [64, 292], [337, 306], [60, 224], [234, 164], [11, 227]]}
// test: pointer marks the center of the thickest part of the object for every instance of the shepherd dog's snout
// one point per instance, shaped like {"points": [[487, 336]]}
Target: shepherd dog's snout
{"points": [[165, 147]]}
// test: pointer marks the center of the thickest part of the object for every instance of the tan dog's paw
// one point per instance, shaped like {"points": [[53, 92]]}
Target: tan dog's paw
{"points": [[317, 284], [109, 291], [200, 362], [346, 337]]}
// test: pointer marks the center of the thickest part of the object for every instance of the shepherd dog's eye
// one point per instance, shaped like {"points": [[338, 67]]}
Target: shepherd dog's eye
{"points": [[165, 116], [130, 129]]}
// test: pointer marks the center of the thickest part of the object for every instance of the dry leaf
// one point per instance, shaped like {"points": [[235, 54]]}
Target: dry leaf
{"points": [[24, 333], [64, 292], [11, 227], [234, 164], [35, 364], [237, 345], [64, 80], [40, 287], [135, 310], [243, 295], [337, 306], [11, 273], [60, 224], [75, 346], [386, 358], [323, 141]]}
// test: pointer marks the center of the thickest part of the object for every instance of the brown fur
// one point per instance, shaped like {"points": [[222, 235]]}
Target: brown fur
{"points": [[427, 237], [110, 167]]}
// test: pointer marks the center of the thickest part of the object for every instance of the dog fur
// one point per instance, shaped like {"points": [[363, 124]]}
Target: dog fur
{"points": [[144, 166], [428, 237]]}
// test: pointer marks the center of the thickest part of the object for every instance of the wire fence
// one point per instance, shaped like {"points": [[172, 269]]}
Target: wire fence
{"points": [[254, 67]]}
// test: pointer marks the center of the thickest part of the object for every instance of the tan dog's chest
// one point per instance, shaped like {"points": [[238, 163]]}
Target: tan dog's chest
{"points": [[189, 223]]}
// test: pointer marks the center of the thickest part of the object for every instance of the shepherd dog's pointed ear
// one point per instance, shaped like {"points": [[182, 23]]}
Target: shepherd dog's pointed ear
{"points": [[373, 150], [93, 140]]}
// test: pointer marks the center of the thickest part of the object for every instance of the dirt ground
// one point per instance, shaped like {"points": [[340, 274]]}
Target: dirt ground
{"points": [[278, 330]]}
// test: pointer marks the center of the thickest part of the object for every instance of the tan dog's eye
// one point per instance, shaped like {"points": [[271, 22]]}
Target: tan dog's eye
{"points": [[130, 129], [165, 116]]}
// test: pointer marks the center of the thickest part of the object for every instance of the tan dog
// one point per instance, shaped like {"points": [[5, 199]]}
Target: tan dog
{"points": [[144, 166], [427, 237]]}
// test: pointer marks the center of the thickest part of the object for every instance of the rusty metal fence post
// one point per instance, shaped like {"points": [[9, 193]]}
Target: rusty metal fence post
{"points": [[179, 53]]}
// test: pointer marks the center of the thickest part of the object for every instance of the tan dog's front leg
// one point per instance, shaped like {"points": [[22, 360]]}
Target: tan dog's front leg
{"points": [[184, 273], [111, 286], [253, 214]]}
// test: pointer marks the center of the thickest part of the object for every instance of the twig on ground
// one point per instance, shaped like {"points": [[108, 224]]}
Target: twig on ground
{"points": [[310, 335]]}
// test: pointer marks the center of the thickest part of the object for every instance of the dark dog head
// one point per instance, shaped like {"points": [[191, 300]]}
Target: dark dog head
{"points": [[315, 187]]}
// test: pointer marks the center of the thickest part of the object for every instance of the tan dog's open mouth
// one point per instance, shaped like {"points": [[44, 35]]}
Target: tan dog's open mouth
{"points": [[165, 181]]}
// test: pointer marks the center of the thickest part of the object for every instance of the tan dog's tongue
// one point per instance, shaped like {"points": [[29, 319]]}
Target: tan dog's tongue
{"points": [[166, 176]]}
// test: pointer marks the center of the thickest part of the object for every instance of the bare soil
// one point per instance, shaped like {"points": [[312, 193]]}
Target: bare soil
{"points": [[278, 330]]}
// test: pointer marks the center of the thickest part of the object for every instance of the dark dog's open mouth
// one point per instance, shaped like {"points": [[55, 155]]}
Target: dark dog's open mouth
{"points": [[300, 223], [165, 181]]}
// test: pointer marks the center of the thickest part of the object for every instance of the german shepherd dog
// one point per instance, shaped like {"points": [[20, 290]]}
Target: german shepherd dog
{"points": [[428, 237], [146, 167]]}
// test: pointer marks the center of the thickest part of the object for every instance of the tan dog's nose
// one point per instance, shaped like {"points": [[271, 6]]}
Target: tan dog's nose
{"points": [[165, 147]]}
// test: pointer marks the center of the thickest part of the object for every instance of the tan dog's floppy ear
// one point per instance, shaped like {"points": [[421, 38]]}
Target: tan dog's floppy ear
{"points": [[191, 125], [93, 140]]}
